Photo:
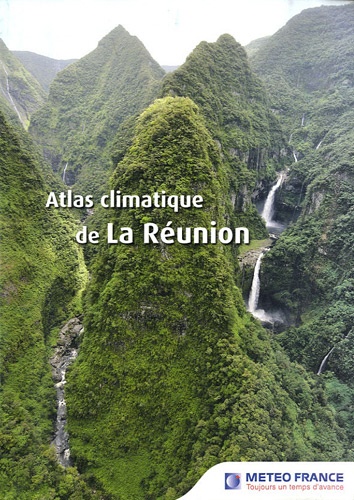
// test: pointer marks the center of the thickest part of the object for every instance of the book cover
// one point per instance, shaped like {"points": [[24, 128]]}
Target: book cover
{"points": [[176, 250]]}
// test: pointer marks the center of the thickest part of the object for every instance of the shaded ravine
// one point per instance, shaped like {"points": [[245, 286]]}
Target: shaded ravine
{"points": [[64, 354]]}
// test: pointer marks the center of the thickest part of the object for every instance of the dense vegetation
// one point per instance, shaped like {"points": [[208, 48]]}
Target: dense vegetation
{"points": [[88, 101], [21, 94], [310, 75]]}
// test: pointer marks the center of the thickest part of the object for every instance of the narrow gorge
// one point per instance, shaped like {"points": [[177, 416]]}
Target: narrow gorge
{"points": [[65, 353]]}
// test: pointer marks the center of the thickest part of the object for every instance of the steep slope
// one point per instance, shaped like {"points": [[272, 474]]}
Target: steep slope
{"points": [[173, 376], [218, 78], [43, 68], [308, 67], [318, 55], [88, 101], [39, 283], [20, 93]]}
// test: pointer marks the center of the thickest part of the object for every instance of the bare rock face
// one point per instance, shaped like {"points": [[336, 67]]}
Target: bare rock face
{"points": [[250, 258]]}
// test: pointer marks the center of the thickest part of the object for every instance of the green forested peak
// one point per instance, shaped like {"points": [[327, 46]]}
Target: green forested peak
{"points": [[226, 51], [228, 41], [167, 130], [116, 55], [119, 32], [87, 103], [218, 78], [118, 43], [179, 376]]}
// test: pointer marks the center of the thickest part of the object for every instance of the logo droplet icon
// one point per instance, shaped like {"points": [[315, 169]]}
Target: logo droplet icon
{"points": [[232, 481]]}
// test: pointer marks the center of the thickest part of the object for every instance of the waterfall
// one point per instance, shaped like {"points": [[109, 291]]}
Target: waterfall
{"points": [[268, 209], [12, 102], [256, 286], [252, 305], [277, 227], [303, 120], [64, 173], [319, 144], [324, 361], [295, 157]]}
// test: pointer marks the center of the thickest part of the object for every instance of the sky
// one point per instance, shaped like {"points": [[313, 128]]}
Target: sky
{"points": [[169, 29]]}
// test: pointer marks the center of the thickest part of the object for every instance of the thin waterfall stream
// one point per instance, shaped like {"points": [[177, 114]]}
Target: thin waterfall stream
{"points": [[324, 361], [64, 173], [9, 96], [256, 285]]}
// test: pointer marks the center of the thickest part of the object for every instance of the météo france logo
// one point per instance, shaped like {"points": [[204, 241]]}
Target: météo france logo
{"points": [[232, 481]]}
